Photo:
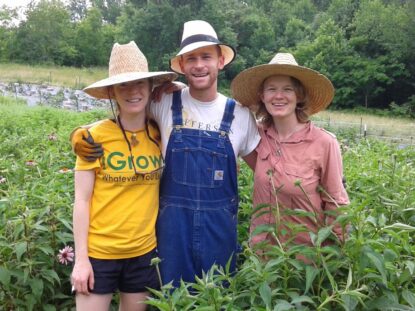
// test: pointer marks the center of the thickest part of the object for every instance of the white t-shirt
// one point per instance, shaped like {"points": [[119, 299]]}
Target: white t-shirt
{"points": [[207, 116]]}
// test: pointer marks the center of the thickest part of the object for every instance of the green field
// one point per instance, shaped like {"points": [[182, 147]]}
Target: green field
{"points": [[375, 125], [374, 269], [71, 77]]}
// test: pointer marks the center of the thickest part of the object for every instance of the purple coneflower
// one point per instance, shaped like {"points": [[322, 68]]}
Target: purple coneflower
{"points": [[52, 137], [66, 255], [65, 170], [31, 163]]}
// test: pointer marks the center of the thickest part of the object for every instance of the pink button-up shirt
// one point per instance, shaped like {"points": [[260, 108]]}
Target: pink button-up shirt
{"points": [[311, 157]]}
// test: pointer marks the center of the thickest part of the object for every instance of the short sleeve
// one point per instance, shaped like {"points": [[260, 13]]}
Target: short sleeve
{"points": [[82, 165], [252, 137]]}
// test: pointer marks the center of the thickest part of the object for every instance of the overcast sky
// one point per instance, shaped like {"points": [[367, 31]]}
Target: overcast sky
{"points": [[14, 3]]}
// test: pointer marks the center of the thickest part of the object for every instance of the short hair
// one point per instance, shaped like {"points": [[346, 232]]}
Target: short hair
{"points": [[264, 117]]}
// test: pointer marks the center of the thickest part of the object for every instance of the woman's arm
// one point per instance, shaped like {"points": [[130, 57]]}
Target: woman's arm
{"points": [[334, 193], [82, 274]]}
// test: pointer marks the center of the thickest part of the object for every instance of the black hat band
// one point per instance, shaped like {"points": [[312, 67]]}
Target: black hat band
{"points": [[198, 38]]}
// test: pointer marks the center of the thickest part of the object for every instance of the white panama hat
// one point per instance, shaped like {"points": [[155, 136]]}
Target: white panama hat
{"points": [[198, 34], [246, 85], [127, 63]]}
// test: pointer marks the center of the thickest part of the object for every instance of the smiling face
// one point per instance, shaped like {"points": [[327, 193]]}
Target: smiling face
{"points": [[280, 97], [201, 68], [132, 97]]}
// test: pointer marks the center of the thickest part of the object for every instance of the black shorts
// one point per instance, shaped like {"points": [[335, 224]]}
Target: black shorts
{"points": [[129, 275]]}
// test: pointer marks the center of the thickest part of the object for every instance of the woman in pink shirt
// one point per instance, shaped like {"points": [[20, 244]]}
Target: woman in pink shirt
{"points": [[295, 159]]}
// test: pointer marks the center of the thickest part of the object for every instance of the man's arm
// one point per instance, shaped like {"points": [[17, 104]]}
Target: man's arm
{"points": [[250, 159], [166, 88]]}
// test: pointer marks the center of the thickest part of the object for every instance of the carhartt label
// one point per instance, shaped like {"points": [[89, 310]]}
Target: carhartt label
{"points": [[218, 175]]}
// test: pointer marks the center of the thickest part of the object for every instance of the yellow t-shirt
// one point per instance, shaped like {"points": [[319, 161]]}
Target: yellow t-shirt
{"points": [[124, 206]]}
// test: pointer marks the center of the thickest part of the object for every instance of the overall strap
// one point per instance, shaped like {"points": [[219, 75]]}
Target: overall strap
{"points": [[228, 116], [226, 122], [176, 108]]}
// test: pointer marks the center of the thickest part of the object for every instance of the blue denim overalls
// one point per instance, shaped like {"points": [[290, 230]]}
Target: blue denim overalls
{"points": [[197, 222]]}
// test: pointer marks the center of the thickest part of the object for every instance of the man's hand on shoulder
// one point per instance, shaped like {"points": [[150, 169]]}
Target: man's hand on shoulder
{"points": [[84, 146], [166, 88]]}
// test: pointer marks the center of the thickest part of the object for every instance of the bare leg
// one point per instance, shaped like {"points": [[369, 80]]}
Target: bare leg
{"points": [[133, 301], [93, 302]]}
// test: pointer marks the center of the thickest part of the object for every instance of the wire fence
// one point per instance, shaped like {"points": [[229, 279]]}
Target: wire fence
{"points": [[403, 136]]}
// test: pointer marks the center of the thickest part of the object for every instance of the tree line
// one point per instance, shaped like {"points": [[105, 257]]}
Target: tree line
{"points": [[366, 47]]}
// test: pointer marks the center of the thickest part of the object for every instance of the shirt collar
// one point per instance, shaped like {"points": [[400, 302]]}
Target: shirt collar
{"points": [[305, 134]]}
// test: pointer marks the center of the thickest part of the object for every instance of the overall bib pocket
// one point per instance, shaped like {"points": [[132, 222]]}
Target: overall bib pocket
{"points": [[199, 167]]}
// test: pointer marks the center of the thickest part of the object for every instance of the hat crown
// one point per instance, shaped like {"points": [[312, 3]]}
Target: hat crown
{"points": [[198, 27], [283, 59], [126, 58]]}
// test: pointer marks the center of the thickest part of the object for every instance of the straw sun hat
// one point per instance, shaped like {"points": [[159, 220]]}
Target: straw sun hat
{"points": [[246, 85], [198, 34], [127, 63]]}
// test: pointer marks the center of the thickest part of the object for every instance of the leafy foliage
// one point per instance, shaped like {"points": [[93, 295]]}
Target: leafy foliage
{"points": [[373, 269], [36, 196]]}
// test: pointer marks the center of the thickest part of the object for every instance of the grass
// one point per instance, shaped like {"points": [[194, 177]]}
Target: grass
{"points": [[76, 78], [375, 125]]}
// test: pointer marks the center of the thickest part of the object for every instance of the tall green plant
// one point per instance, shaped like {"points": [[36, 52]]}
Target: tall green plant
{"points": [[36, 196], [373, 269]]}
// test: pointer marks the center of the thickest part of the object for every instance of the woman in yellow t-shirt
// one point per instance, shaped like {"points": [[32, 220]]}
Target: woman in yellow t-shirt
{"points": [[117, 196]]}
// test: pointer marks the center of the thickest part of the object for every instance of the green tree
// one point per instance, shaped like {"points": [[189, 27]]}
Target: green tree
{"points": [[158, 40], [342, 12], [255, 36], [385, 32], [91, 42], [78, 9], [45, 36], [296, 32], [110, 9], [376, 26], [7, 31], [328, 53], [280, 14]]}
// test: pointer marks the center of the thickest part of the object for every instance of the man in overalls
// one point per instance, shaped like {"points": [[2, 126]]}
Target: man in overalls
{"points": [[202, 134]]}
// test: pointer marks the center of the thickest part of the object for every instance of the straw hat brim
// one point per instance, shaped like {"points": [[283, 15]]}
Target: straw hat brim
{"points": [[246, 85], [227, 51], [99, 89]]}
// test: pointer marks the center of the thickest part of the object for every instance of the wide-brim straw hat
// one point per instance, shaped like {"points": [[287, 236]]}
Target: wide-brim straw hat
{"points": [[245, 87], [127, 63], [198, 34]]}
